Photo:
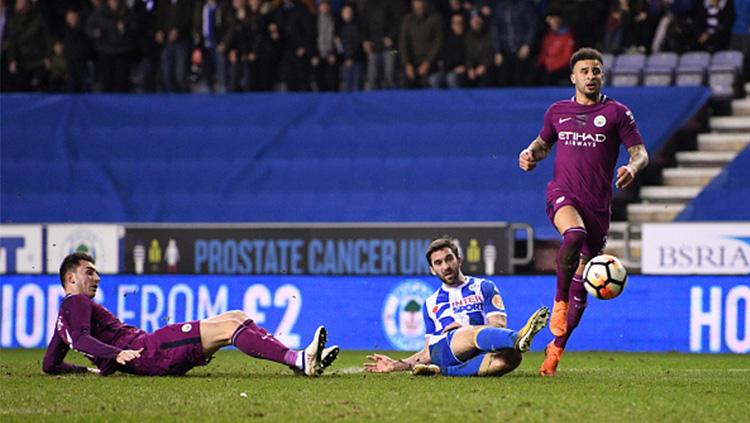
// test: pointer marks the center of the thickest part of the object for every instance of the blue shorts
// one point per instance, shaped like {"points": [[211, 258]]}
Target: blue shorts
{"points": [[441, 354]]}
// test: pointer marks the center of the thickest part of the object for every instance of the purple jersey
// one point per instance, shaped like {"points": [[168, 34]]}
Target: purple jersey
{"points": [[588, 142], [90, 329]]}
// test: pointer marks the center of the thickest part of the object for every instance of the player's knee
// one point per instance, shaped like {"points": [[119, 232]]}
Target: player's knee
{"points": [[502, 363], [570, 250]]}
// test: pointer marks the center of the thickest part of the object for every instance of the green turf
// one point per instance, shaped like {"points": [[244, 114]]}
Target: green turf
{"points": [[589, 387]]}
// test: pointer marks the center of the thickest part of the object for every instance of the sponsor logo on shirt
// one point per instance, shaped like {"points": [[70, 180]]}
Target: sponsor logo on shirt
{"points": [[467, 304], [581, 139], [563, 120]]}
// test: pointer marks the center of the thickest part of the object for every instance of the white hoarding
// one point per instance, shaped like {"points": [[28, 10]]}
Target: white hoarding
{"points": [[21, 249], [101, 241], [696, 248]]}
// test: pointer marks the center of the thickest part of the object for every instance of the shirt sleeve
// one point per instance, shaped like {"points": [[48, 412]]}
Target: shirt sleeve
{"points": [[53, 363], [429, 325], [493, 303], [548, 133], [77, 313], [627, 129]]}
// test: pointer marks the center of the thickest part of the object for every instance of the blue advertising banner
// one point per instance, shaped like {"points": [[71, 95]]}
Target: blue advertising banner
{"points": [[699, 314]]}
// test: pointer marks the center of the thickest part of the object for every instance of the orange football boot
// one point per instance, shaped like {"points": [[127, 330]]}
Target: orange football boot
{"points": [[558, 324], [552, 356]]}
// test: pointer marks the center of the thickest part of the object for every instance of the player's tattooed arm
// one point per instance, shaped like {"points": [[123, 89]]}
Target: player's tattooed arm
{"points": [[536, 151], [638, 161]]}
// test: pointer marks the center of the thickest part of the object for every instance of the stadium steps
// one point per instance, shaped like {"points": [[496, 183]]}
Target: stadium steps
{"points": [[669, 194], [653, 212], [741, 107], [689, 176], [705, 158], [733, 141], [730, 123]]}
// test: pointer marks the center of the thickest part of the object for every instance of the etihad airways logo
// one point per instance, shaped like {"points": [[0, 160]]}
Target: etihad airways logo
{"points": [[580, 139]]}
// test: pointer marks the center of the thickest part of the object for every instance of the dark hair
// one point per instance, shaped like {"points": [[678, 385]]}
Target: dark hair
{"points": [[71, 262], [444, 241], [585, 53]]}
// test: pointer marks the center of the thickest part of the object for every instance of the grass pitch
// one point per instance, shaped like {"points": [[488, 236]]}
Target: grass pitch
{"points": [[589, 387]]}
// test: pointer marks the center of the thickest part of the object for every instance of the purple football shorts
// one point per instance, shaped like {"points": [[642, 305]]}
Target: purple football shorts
{"points": [[171, 350], [596, 223]]}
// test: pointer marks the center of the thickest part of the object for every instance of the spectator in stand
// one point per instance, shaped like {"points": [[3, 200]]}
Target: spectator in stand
{"points": [[58, 69], [452, 66], [208, 25], [587, 19], [479, 53], [77, 52], [380, 23], [715, 18], [147, 67], [174, 29], [298, 31], [349, 42], [513, 29], [268, 52], [4, 75], [420, 42], [27, 49], [555, 50], [241, 44], [617, 27], [641, 29], [324, 60], [112, 26], [677, 29], [741, 32]]}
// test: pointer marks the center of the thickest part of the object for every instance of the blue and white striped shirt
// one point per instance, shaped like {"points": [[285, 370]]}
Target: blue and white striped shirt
{"points": [[470, 303]]}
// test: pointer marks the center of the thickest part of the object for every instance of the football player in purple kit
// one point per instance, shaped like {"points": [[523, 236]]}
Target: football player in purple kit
{"points": [[588, 130], [111, 345]]}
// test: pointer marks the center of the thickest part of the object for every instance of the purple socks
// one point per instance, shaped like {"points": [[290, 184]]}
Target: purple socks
{"points": [[577, 305], [255, 341], [568, 257]]}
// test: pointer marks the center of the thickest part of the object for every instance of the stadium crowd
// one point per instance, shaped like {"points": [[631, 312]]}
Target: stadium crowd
{"points": [[338, 45]]}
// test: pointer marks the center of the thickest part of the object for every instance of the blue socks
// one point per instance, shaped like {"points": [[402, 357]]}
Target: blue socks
{"points": [[469, 368], [495, 339]]}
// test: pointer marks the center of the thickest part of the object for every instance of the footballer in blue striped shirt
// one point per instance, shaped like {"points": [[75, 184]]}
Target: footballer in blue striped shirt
{"points": [[466, 330]]}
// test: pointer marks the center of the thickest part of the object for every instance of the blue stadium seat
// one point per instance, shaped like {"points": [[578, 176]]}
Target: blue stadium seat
{"points": [[660, 69], [627, 69], [725, 74], [691, 71], [609, 60]]}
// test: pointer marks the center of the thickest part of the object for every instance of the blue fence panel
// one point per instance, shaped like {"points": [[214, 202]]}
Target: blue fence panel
{"points": [[726, 198], [688, 314], [380, 156]]}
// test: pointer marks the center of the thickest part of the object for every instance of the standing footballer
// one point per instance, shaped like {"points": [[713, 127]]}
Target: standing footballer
{"points": [[588, 130]]}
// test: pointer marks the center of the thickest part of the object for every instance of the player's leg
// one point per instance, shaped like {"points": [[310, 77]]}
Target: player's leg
{"points": [[471, 340], [486, 364], [570, 224], [598, 227], [235, 328]]}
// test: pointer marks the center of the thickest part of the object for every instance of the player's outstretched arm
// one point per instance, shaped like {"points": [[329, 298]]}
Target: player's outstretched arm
{"points": [[536, 151], [638, 161], [53, 363], [379, 363]]}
